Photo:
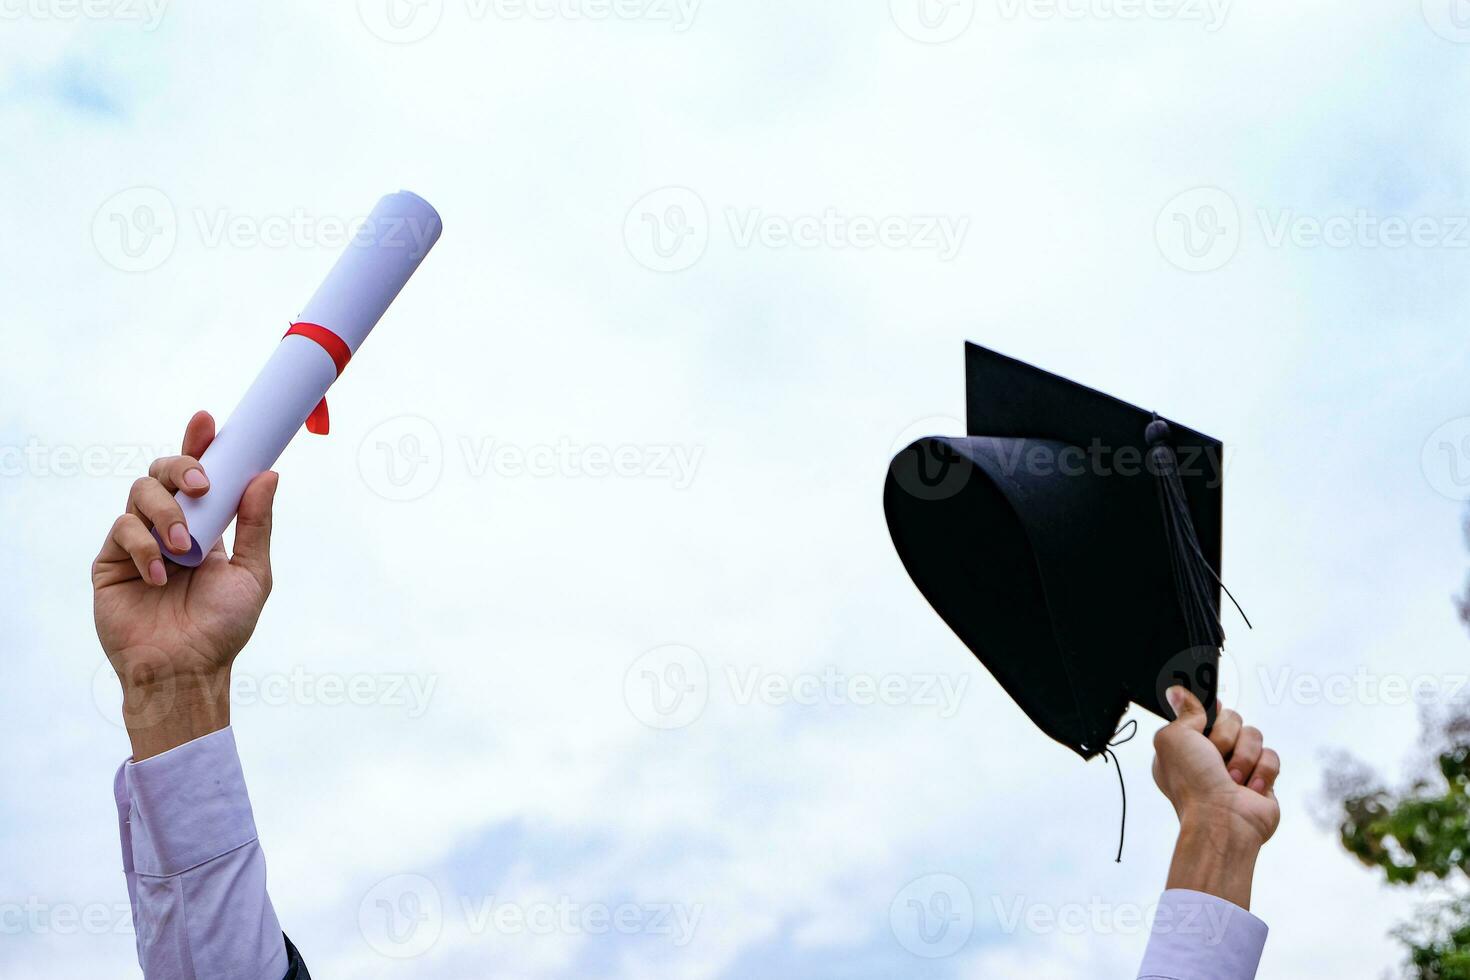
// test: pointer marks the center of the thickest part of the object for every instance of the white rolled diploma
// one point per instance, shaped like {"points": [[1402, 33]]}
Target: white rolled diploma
{"points": [[366, 279]]}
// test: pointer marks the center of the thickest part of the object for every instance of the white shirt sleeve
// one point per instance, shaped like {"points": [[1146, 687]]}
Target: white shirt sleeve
{"points": [[1202, 937]]}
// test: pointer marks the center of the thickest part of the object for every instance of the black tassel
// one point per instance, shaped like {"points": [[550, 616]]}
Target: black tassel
{"points": [[1192, 572], [1192, 577]]}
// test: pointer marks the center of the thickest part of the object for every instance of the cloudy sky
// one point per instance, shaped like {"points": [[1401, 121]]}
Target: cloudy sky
{"points": [[580, 608]]}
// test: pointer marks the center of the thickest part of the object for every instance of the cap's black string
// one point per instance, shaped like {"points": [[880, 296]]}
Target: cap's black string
{"points": [[1118, 739]]}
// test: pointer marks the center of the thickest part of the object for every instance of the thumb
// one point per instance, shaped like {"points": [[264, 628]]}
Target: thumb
{"points": [[253, 528], [1188, 712]]}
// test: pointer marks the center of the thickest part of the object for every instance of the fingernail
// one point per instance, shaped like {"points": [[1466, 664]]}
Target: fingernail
{"points": [[1259, 785], [156, 574], [1238, 776], [178, 537], [195, 479], [1175, 697]]}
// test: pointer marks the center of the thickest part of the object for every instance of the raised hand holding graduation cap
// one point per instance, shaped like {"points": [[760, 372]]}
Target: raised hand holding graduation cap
{"points": [[1073, 541]]}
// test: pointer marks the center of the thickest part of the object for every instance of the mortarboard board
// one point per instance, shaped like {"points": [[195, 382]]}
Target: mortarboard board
{"points": [[1072, 541]]}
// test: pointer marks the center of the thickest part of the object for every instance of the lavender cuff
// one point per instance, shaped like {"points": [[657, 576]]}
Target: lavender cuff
{"points": [[195, 872], [191, 805]]}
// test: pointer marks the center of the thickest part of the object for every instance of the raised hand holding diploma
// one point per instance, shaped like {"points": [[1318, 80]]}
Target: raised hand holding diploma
{"points": [[172, 639], [172, 634], [291, 388], [191, 855]]}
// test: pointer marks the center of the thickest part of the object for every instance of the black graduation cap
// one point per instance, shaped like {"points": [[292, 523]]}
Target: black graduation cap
{"points": [[1072, 541]]}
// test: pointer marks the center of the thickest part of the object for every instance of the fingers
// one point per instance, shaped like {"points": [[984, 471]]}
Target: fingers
{"points": [[1226, 732], [129, 538], [180, 473], [1263, 778], [1247, 753], [1188, 712], [158, 508], [253, 527], [151, 504], [198, 434]]}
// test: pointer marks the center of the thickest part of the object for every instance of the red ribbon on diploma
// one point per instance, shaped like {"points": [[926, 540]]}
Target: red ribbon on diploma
{"points": [[318, 422]]}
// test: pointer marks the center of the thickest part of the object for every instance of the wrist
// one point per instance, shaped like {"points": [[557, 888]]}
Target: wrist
{"points": [[1215, 854], [1222, 824], [165, 709]]}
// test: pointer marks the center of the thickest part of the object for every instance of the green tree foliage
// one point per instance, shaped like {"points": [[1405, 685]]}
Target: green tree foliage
{"points": [[1422, 832]]}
